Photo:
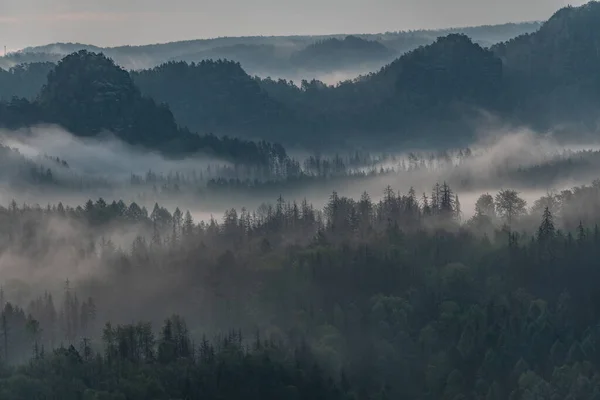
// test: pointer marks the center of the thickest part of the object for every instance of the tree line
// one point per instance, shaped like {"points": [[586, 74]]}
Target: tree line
{"points": [[400, 297]]}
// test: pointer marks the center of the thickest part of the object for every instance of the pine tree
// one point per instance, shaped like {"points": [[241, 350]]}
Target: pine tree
{"points": [[365, 209], [447, 200], [108, 337], [426, 207], [436, 199], [546, 231], [331, 210], [156, 239], [155, 216], [581, 235], [5, 333], [176, 228], [166, 346], [188, 224], [279, 211], [457, 209]]}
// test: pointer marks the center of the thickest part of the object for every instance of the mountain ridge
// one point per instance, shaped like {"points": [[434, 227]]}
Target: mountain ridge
{"points": [[87, 94], [278, 64], [430, 96]]}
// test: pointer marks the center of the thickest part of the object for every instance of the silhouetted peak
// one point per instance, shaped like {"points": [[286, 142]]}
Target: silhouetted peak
{"points": [[453, 67], [87, 76], [569, 19], [452, 43], [86, 59], [572, 15], [446, 50]]}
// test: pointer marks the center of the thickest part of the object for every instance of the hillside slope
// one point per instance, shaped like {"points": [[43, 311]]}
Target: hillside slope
{"points": [[88, 94], [216, 96], [553, 72], [434, 95]]}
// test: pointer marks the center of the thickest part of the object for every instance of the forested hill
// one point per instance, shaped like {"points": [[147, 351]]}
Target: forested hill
{"points": [[424, 95], [335, 53], [218, 96], [554, 71], [434, 93], [88, 94], [428, 84], [431, 96]]}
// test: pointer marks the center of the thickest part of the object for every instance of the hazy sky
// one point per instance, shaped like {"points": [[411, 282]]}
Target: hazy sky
{"points": [[115, 22]]}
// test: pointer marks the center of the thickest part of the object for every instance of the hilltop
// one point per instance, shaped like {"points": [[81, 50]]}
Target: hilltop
{"points": [[431, 96], [88, 94]]}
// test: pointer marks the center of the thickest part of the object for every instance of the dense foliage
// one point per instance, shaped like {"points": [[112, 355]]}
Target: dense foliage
{"points": [[137, 365], [217, 96], [395, 298], [406, 295]]}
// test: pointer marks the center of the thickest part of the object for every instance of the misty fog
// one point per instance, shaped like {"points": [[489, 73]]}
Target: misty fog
{"points": [[497, 161], [489, 168], [412, 214]]}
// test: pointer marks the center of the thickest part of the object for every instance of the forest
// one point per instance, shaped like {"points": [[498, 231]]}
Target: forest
{"points": [[391, 299], [186, 227]]}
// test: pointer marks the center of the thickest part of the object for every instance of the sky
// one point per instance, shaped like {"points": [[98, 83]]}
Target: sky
{"points": [[119, 22]]}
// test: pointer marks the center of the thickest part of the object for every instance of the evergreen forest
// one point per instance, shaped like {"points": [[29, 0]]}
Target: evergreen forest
{"points": [[214, 220]]}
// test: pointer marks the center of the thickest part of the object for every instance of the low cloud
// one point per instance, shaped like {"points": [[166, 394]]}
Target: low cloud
{"points": [[104, 156]]}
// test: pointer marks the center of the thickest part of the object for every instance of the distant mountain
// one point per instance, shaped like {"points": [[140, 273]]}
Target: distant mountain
{"points": [[21, 58], [88, 94], [334, 53], [432, 95], [61, 48], [24, 80], [487, 35], [424, 96], [268, 55], [258, 58]]}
